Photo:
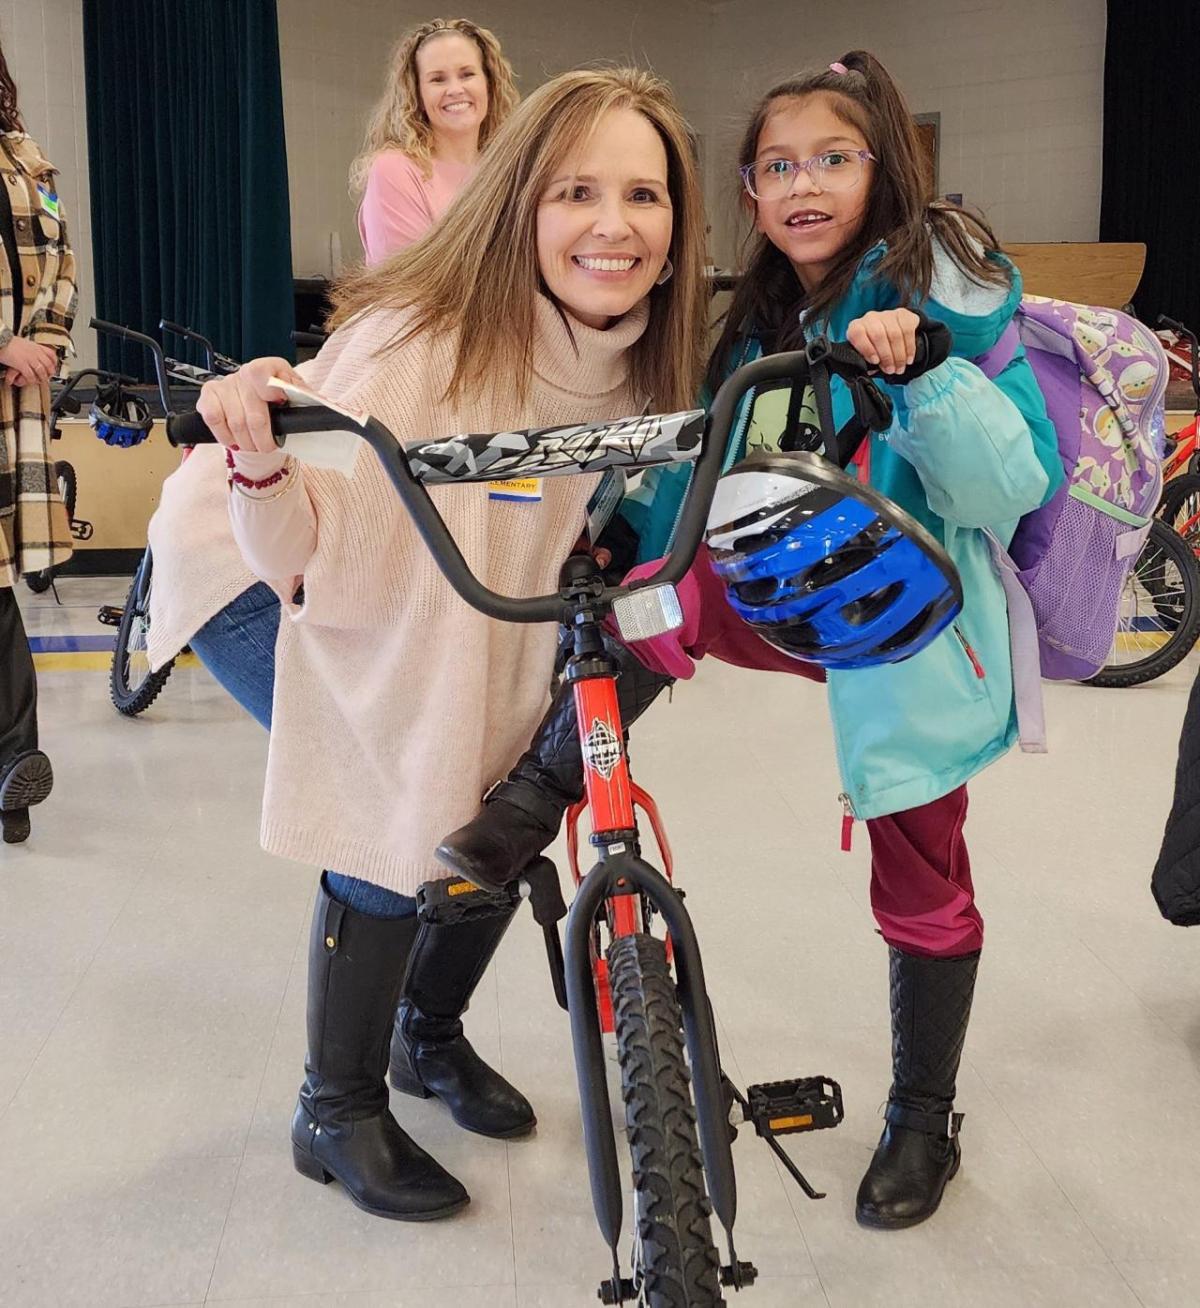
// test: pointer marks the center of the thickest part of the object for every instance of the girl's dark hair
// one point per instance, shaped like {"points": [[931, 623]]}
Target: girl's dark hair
{"points": [[900, 212], [10, 115]]}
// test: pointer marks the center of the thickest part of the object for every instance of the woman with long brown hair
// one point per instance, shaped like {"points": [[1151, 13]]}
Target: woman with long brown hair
{"points": [[37, 305], [564, 284], [449, 90]]}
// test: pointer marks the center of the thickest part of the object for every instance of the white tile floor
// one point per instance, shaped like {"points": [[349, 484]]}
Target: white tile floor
{"points": [[151, 1023]]}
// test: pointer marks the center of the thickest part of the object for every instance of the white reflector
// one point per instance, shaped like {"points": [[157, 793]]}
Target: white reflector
{"points": [[650, 611]]}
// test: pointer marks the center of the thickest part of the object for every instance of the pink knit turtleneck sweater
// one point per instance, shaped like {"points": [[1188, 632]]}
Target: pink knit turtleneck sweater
{"points": [[396, 704]]}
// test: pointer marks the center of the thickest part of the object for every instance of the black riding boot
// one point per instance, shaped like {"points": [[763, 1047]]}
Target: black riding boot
{"points": [[25, 773], [430, 1054], [522, 814], [919, 1150], [342, 1129]]}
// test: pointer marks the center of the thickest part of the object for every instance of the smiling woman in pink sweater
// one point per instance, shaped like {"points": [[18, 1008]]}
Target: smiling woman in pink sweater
{"points": [[565, 284], [449, 91]]}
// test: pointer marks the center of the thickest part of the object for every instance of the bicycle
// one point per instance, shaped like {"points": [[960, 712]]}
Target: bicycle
{"points": [[133, 686], [1159, 621], [66, 402], [680, 1128]]}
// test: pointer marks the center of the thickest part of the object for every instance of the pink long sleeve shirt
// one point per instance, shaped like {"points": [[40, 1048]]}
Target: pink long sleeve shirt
{"points": [[400, 204]]}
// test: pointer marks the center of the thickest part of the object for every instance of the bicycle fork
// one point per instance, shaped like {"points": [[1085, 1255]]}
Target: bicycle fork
{"points": [[623, 877]]}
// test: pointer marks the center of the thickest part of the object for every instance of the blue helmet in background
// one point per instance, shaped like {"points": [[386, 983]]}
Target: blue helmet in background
{"points": [[120, 416], [825, 568]]}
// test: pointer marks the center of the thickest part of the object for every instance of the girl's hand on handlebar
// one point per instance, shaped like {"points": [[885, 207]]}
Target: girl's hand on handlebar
{"points": [[887, 339], [237, 408]]}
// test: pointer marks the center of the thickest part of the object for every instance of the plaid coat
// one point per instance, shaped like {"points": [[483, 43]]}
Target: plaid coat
{"points": [[34, 532]]}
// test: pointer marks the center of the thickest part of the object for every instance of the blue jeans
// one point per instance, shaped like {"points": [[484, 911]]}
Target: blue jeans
{"points": [[238, 648]]}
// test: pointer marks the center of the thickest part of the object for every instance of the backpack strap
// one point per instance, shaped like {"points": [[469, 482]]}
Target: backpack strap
{"points": [[1024, 648]]}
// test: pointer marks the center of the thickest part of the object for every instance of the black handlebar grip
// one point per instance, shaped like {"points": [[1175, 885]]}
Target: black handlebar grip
{"points": [[286, 420], [933, 348], [189, 429]]}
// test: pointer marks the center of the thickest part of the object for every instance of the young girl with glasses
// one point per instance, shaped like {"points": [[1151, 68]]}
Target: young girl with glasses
{"points": [[847, 241]]}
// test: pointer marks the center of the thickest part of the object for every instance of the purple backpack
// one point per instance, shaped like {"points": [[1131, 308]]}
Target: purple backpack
{"points": [[1104, 376]]}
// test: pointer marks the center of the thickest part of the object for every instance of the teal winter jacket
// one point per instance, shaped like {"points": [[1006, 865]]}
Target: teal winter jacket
{"points": [[964, 455]]}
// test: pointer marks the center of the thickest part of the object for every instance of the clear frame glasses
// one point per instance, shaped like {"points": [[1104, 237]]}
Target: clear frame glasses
{"points": [[832, 170]]}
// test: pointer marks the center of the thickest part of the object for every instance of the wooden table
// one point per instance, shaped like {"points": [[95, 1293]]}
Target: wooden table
{"points": [[118, 492]]}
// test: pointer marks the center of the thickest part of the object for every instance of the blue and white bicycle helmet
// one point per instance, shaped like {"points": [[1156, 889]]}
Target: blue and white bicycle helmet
{"points": [[826, 569], [119, 416]]}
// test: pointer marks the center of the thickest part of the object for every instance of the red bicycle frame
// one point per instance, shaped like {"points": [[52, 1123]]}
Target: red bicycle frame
{"points": [[1185, 449], [611, 795]]}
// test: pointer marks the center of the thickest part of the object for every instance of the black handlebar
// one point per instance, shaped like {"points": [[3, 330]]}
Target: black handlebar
{"points": [[933, 346], [190, 428], [210, 353], [1190, 337]]}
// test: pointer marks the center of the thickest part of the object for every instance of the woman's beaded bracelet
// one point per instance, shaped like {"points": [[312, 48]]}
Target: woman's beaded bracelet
{"points": [[242, 483]]}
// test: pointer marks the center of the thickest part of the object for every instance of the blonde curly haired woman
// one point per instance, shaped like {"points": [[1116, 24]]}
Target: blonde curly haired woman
{"points": [[448, 92]]}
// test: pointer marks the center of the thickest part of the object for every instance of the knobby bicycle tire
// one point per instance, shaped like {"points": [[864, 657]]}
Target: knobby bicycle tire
{"points": [[131, 700], [678, 1261]]}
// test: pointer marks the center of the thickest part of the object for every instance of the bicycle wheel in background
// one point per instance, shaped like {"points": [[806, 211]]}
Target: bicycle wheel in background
{"points": [[1160, 612], [675, 1260], [132, 685], [1180, 508]]}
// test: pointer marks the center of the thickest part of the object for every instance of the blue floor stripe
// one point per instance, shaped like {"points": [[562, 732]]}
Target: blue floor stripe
{"points": [[71, 644]]}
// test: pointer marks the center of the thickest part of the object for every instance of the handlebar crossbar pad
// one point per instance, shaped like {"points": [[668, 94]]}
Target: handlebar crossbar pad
{"points": [[632, 443]]}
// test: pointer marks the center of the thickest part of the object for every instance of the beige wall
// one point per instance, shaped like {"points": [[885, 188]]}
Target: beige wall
{"points": [[1019, 86], [334, 58]]}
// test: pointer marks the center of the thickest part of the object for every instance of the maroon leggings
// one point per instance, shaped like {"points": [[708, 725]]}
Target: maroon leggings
{"points": [[921, 890]]}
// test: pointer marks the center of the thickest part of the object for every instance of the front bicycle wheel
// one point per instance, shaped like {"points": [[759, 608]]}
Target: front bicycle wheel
{"points": [[676, 1261], [132, 685], [1160, 612]]}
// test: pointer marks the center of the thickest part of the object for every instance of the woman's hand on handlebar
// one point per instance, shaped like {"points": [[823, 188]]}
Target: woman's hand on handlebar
{"points": [[887, 339], [237, 408]]}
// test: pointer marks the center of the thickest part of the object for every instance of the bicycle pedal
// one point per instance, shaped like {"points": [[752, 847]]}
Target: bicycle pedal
{"points": [[448, 902], [109, 615], [812, 1103]]}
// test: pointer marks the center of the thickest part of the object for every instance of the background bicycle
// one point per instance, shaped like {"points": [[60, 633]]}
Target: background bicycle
{"points": [[133, 686]]}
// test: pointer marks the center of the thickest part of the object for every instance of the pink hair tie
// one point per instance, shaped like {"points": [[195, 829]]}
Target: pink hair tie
{"points": [[839, 68]]}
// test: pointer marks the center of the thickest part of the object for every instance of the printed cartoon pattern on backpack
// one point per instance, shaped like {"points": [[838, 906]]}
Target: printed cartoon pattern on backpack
{"points": [[1104, 377]]}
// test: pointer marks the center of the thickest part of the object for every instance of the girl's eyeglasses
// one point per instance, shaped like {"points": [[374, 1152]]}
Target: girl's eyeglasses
{"points": [[833, 170]]}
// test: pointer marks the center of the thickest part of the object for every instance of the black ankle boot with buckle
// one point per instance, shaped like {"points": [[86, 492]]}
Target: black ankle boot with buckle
{"points": [[919, 1151], [431, 1057], [522, 814]]}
